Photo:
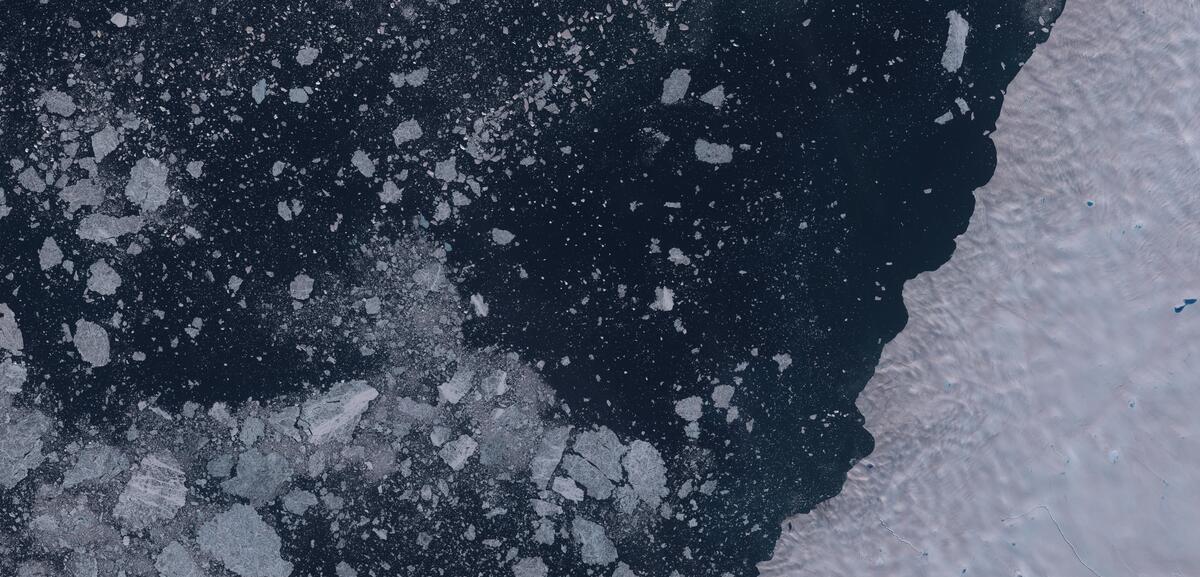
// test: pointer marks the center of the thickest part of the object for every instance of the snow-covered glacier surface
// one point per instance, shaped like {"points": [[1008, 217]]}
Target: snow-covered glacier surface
{"points": [[1037, 416]]}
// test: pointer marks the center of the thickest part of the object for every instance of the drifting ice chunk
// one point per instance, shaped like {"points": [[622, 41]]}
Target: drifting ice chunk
{"points": [[664, 299], [603, 449], [49, 256], [721, 395], [96, 462], [298, 95], [20, 443], [689, 409], [548, 454], [586, 474], [363, 163], [259, 91], [530, 567], [307, 55], [82, 193], [446, 169], [623, 570], [102, 279], [566, 487], [243, 543], [713, 153], [31, 180], [259, 477], [155, 492], [675, 86], [104, 142], [956, 42], [301, 287], [59, 103], [407, 131], [298, 501], [10, 333], [714, 97], [501, 236], [107, 229], [334, 415], [390, 193], [147, 185], [12, 377], [452, 391], [647, 472], [456, 452], [176, 561], [91, 340], [594, 546]]}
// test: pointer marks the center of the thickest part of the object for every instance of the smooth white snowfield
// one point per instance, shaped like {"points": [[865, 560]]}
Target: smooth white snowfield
{"points": [[1038, 415]]}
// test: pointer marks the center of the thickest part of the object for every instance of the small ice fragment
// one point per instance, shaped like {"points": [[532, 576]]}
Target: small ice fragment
{"points": [[102, 279], [277, 167], [298, 501], [12, 376], [530, 567], [301, 287], [457, 387], [30, 180], [176, 561], [446, 169], [155, 492], [104, 142], [623, 570], [97, 462], [195, 168], [390, 193], [675, 86], [956, 42], [566, 487], [417, 77], [714, 97], [689, 409], [501, 236], [407, 131], [595, 548], [721, 395], [91, 340], [49, 256], [364, 163], [456, 452], [713, 153], [307, 55], [647, 472], [10, 334], [259, 477], [147, 186], [664, 299], [548, 454], [259, 91], [119, 20], [59, 103], [947, 117], [82, 193], [244, 543], [298, 95], [480, 306], [107, 229], [334, 415], [784, 361]]}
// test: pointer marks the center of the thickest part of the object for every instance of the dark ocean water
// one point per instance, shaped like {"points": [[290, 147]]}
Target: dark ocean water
{"points": [[845, 189]]}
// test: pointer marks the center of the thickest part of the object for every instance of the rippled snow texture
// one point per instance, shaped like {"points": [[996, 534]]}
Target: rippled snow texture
{"points": [[1038, 415]]}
